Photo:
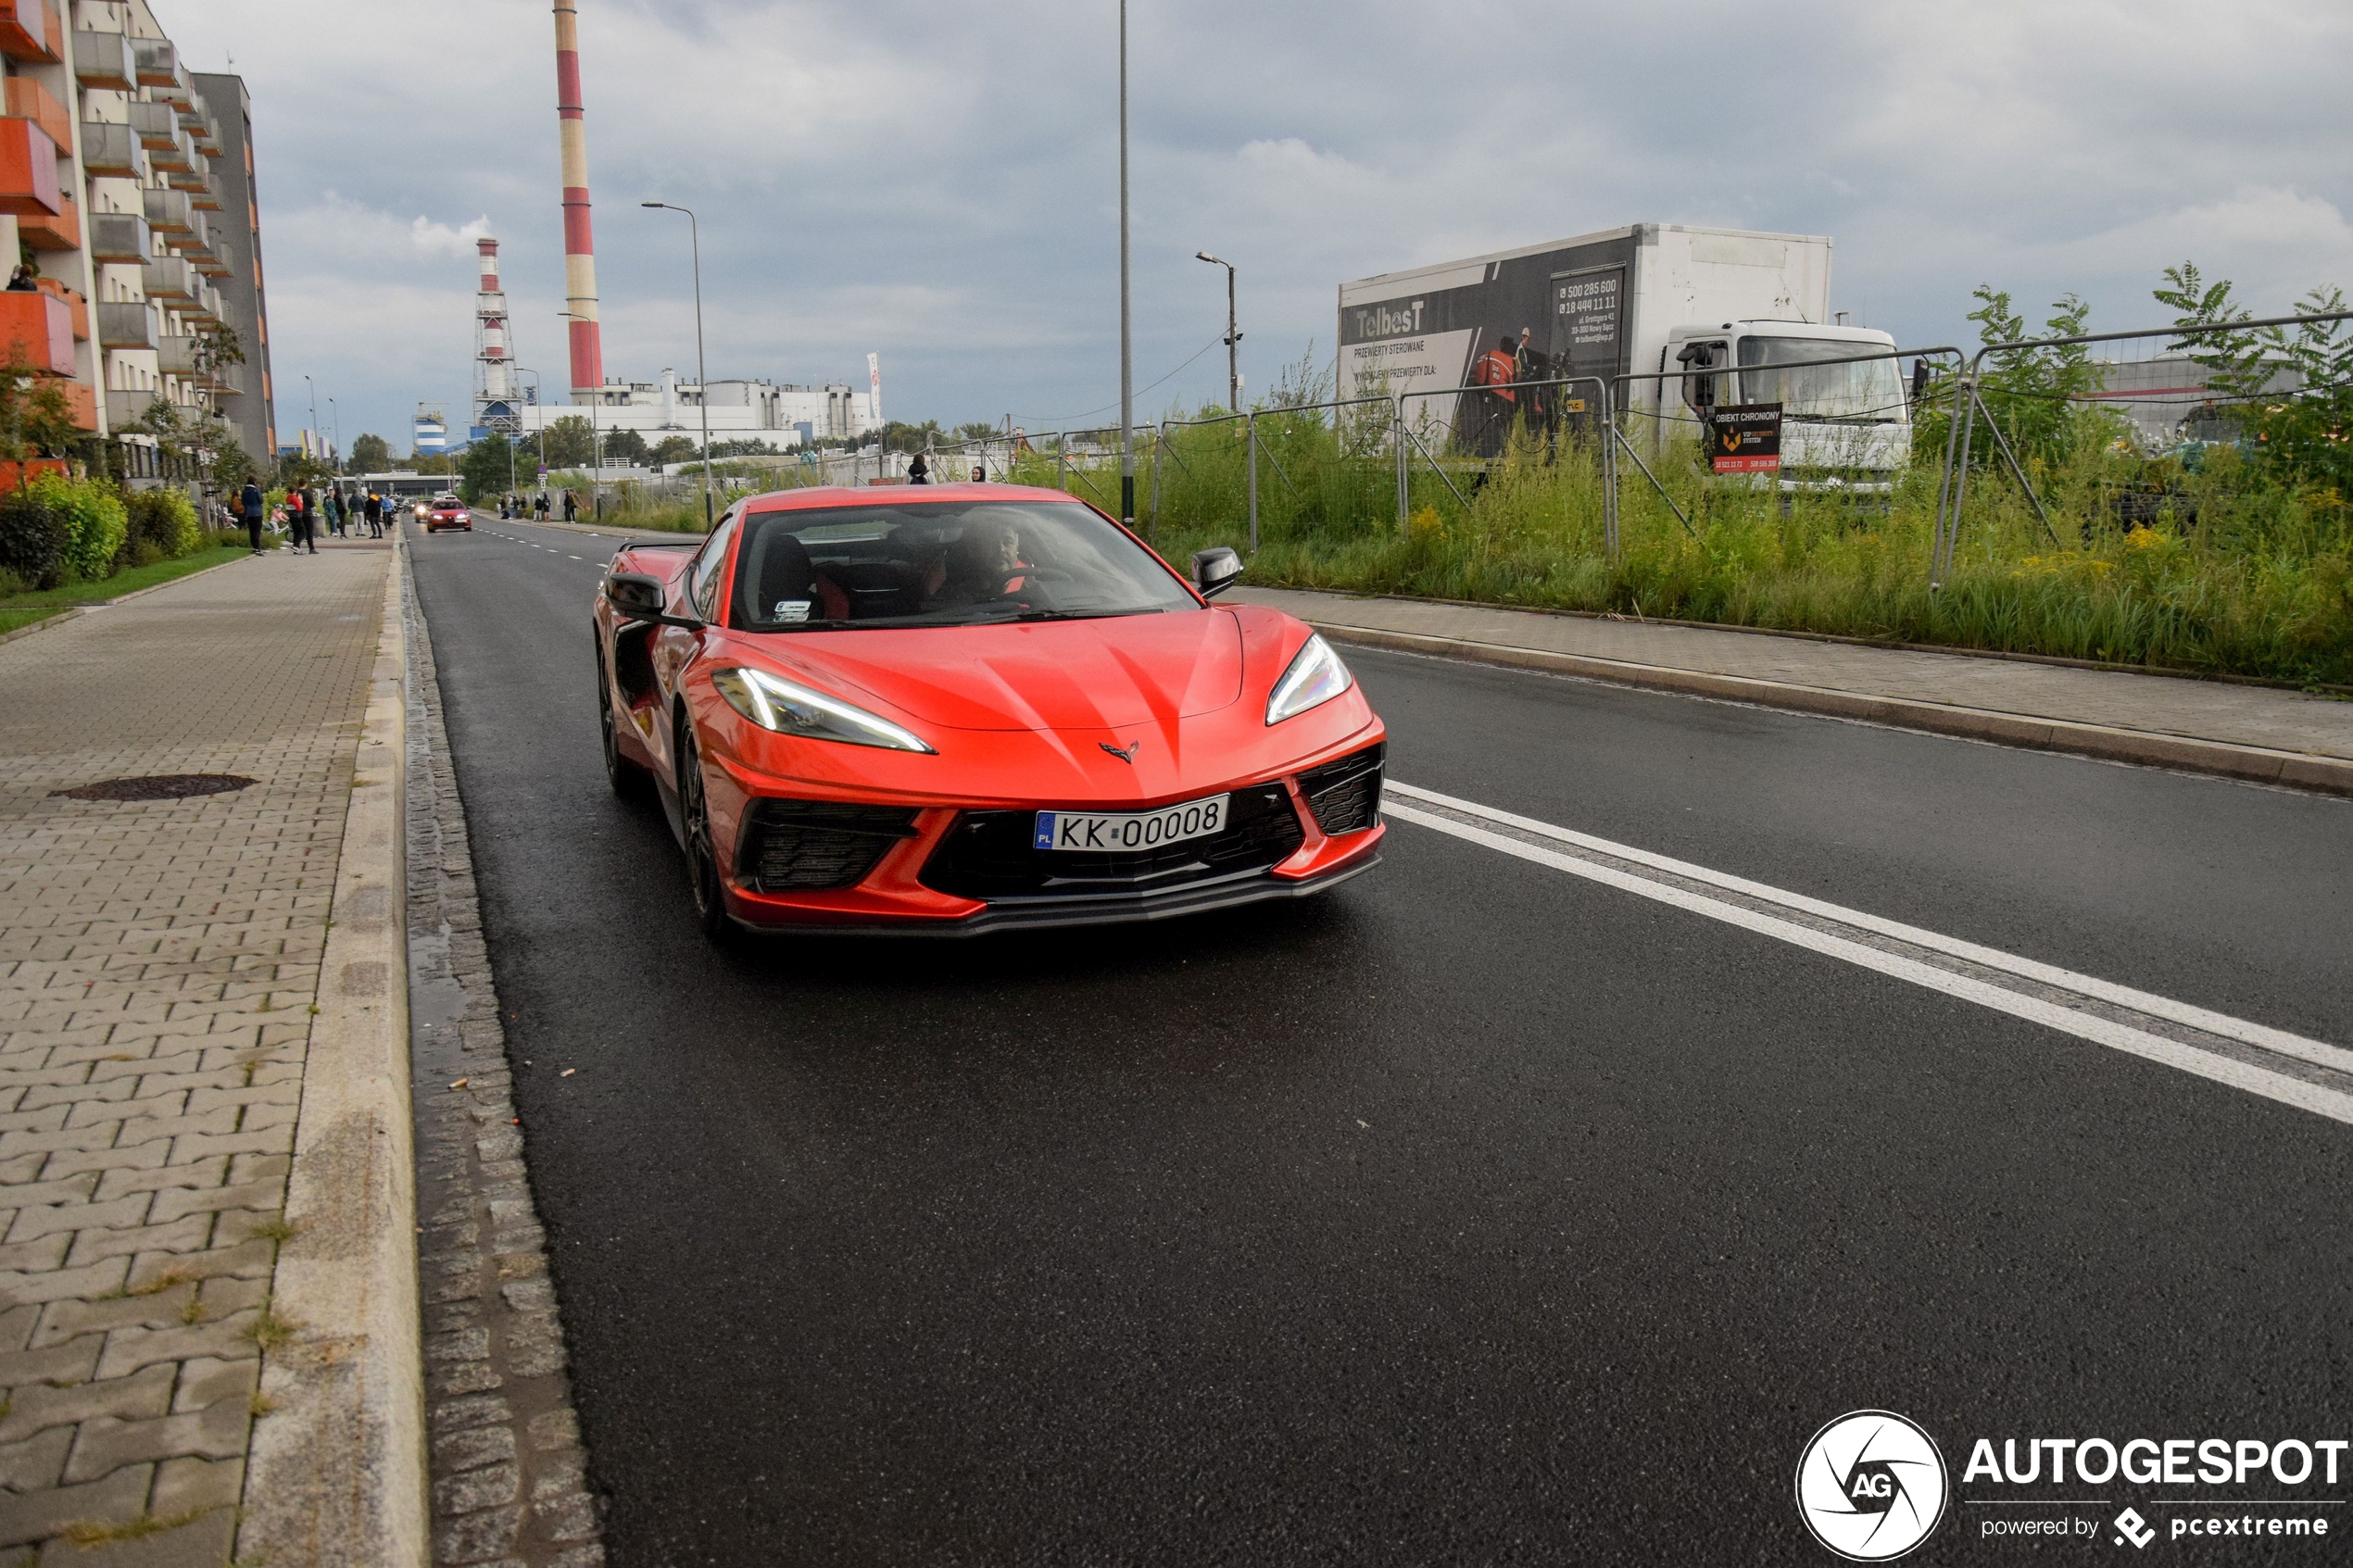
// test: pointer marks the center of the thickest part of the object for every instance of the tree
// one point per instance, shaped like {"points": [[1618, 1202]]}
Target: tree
{"points": [[230, 467], [624, 446], [897, 436], [371, 454], [484, 468], [673, 449], [571, 442], [977, 430], [2299, 435], [746, 446], [2036, 395]]}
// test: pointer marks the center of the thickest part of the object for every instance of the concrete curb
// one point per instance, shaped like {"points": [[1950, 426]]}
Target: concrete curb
{"points": [[2296, 770], [336, 1473], [75, 612]]}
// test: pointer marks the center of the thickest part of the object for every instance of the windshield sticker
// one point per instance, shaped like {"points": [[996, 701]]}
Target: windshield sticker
{"points": [[791, 609]]}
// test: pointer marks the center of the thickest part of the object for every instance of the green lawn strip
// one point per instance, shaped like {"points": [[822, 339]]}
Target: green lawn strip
{"points": [[20, 609]]}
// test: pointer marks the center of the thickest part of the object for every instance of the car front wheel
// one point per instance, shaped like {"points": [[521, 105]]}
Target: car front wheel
{"points": [[702, 857]]}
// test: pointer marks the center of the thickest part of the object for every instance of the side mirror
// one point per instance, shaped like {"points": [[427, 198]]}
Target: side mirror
{"points": [[1214, 570], [637, 596]]}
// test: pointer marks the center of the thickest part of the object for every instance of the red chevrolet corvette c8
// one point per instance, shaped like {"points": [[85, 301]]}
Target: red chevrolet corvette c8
{"points": [[958, 708]]}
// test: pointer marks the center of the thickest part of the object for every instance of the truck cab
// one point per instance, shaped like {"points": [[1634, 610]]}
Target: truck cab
{"points": [[1844, 426]]}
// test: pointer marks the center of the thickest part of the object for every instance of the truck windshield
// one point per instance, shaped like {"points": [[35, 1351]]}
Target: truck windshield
{"points": [[1866, 391]]}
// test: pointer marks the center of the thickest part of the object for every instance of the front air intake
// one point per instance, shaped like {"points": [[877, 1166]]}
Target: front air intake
{"points": [[800, 846], [1345, 795]]}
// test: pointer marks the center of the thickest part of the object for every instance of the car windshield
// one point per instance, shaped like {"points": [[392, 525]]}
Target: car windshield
{"points": [[942, 564], [1865, 390]]}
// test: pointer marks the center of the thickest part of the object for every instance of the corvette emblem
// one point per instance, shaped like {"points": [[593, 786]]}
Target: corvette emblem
{"points": [[1128, 756]]}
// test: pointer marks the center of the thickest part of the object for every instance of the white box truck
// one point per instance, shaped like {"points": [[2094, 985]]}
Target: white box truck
{"points": [[1655, 298]]}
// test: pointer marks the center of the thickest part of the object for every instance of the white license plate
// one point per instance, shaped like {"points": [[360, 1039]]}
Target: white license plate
{"points": [[1116, 832]]}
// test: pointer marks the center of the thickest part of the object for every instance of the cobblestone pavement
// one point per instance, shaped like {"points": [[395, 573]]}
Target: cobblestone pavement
{"points": [[2282, 721], [508, 1476], [159, 968]]}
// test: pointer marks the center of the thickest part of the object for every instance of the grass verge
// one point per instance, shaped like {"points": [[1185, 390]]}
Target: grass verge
{"points": [[23, 609]]}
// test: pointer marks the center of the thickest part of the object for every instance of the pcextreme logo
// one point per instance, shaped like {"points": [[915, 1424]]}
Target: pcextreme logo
{"points": [[1872, 1486]]}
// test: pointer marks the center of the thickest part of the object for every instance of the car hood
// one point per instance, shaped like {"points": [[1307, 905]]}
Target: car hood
{"points": [[1047, 675]]}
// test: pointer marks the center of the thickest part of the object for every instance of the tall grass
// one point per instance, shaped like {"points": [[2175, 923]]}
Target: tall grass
{"points": [[2232, 574]]}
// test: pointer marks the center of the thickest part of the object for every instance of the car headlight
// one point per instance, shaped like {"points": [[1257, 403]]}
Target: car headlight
{"points": [[790, 708], [1316, 676]]}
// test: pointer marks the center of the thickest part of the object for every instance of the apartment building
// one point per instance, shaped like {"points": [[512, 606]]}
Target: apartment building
{"points": [[129, 188]]}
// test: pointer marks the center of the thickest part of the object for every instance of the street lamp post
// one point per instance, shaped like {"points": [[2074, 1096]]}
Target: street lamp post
{"points": [[314, 406], [1126, 355], [1233, 334], [335, 418], [702, 376], [542, 431]]}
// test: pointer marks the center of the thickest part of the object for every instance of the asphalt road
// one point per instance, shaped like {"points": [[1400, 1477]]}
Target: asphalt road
{"points": [[1474, 1214]]}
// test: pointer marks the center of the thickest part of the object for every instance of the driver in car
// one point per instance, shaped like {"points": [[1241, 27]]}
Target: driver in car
{"points": [[983, 564]]}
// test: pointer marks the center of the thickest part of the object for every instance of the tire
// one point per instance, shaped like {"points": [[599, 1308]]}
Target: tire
{"points": [[627, 779], [702, 857]]}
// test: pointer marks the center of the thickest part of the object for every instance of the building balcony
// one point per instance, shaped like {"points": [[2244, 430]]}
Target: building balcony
{"points": [[77, 306], [37, 334], [194, 239], [28, 171], [211, 264], [61, 233], [29, 100], [158, 62], [30, 31], [129, 407], [103, 59], [169, 279], [109, 151], [169, 214], [119, 236], [194, 178], [82, 402], [173, 156], [157, 125], [126, 323]]}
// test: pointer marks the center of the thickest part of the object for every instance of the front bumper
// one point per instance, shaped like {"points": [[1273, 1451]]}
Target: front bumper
{"points": [[946, 871]]}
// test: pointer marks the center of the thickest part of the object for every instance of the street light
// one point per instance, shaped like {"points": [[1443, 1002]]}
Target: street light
{"points": [[1233, 334], [702, 377], [1127, 354], [542, 431], [335, 419], [314, 406]]}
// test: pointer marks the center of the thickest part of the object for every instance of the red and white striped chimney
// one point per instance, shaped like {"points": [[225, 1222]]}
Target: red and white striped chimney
{"points": [[580, 246]]}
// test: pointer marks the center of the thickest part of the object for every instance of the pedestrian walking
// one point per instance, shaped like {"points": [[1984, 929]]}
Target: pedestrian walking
{"points": [[919, 471], [302, 516], [253, 503], [571, 506], [334, 510], [541, 506], [373, 509]]}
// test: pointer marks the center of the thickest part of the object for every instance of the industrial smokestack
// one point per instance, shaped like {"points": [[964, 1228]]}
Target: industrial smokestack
{"points": [[580, 245]]}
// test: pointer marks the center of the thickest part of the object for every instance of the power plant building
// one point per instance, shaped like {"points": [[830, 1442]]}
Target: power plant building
{"points": [[783, 415]]}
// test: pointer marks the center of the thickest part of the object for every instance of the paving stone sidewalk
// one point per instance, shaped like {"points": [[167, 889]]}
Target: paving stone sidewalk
{"points": [[159, 969], [2209, 710]]}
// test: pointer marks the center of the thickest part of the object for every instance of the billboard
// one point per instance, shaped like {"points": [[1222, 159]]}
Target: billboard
{"points": [[1438, 334]]}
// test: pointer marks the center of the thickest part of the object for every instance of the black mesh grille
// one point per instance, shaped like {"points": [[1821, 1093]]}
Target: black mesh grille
{"points": [[792, 845], [1345, 795], [990, 854]]}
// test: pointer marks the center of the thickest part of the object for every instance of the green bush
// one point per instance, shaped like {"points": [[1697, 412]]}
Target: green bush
{"points": [[34, 540], [165, 520], [96, 521]]}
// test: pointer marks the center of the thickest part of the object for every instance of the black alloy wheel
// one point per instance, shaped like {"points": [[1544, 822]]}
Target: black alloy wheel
{"points": [[702, 857], [628, 780]]}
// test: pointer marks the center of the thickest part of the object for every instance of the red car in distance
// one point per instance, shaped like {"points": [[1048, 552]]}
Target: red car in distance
{"points": [[445, 511], [971, 707]]}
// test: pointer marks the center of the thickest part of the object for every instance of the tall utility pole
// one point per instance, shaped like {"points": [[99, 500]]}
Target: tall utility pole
{"points": [[1233, 334], [1126, 347], [702, 376]]}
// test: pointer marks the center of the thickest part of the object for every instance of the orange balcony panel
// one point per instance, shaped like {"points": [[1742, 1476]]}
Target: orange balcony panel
{"points": [[81, 402], [75, 304], [29, 100], [28, 169], [36, 332], [30, 31], [61, 233]]}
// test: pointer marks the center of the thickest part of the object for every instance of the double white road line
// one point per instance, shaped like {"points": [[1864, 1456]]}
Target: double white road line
{"points": [[2271, 1062]]}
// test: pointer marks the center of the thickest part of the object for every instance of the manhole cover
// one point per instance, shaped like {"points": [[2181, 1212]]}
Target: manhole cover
{"points": [[157, 786]]}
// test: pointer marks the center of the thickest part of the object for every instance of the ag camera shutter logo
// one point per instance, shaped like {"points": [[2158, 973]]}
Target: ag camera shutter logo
{"points": [[1872, 1486]]}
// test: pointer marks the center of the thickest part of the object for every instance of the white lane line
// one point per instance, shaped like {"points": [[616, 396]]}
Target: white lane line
{"points": [[571, 557], [2315, 1098]]}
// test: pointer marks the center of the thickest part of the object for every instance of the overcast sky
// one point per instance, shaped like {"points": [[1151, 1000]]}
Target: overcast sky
{"points": [[937, 182]]}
